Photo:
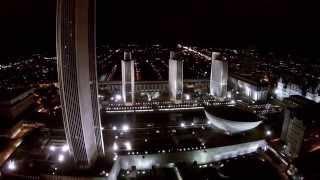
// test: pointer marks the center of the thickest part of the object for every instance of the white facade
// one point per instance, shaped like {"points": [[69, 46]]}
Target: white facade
{"points": [[175, 78], [218, 77], [127, 71], [75, 45], [282, 91], [229, 126]]}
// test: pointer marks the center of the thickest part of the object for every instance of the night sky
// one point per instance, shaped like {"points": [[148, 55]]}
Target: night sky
{"points": [[28, 25]]}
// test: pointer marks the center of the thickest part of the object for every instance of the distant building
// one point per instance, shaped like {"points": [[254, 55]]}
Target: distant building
{"points": [[284, 90], [249, 87], [300, 117], [127, 71], [218, 77], [175, 78], [15, 103], [76, 57]]}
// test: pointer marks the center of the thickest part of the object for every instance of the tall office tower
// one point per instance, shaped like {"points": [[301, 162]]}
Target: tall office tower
{"points": [[299, 123], [175, 78], [218, 77], [127, 71], [76, 55]]}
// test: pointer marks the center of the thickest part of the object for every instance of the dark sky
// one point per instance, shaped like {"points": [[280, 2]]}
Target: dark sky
{"points": [[27, 25]]}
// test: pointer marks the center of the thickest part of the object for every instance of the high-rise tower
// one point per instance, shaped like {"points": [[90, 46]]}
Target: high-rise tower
{"points": [[218, 77], [127, 71], [76, 55], [175, 78]]}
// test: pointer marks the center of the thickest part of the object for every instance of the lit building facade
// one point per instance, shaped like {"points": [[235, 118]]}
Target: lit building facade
{"points": [[251, 89], [175, 78], [218, 76], [284, 90], [127, 71], [76, 57]]}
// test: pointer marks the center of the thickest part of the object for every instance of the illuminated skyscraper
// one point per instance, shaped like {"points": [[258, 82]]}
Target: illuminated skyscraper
{"points": [[175, 78], [127, 70], [76, 54], [218, 77]]}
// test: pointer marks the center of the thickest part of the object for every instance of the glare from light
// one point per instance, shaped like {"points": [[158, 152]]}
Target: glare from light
{"points": [[61, 158], [233, 101], [114, 128], [187, 97], [182, 125], [115, 157], [52, 148], [12, 165], [115, 146], [268, 133], [65, 148], [125, 128], [118, 97], [128, 146]]}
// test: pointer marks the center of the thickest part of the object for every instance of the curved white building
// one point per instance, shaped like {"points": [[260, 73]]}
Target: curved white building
{"points": [[231, 126], [76, 58]]}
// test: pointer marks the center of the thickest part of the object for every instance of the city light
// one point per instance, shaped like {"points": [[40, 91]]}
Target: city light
{"points": [[182, 125], [187, 96], [12, 165], [115, 146], [125, 128], [114, 128], [60, 157], [115, 157], [268, 133], [65, 148], [118, 97], [128, 146]]}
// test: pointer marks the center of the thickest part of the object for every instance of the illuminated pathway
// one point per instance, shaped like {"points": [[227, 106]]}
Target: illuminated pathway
{"points": [[16, 137], [196, 52]]}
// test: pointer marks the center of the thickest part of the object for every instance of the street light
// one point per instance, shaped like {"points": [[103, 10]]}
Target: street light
{"points": [[128, 146], [125, 128], [268, 133], [65, 148], [118, 97], [61, 158], [52, 148], [114, 128], [12, 165], [115, 146]]}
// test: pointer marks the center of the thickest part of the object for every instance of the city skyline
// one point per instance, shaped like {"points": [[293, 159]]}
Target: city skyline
{"points": [[273, 25]]}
